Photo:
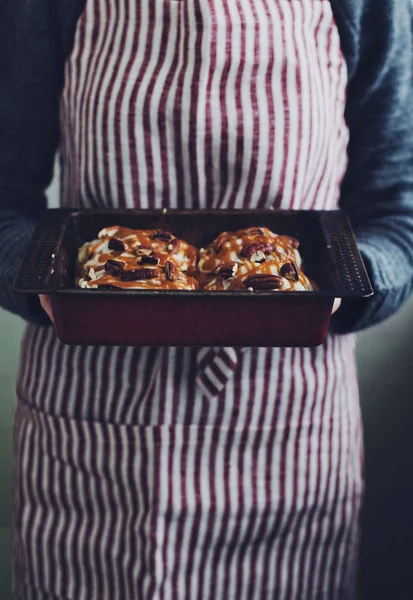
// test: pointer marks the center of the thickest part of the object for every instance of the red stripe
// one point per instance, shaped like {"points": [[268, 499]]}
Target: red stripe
{"points": [[121, 167], [211, 518], [338, 521], [35, 360], [246, 543], [133, 486], [146, 388], [111, 515], [282, 521], [317, 118], [91, 392], [177, 129], [322, 166], [264, 196], [227, 359], [257, 541], [162, 126], [42, 364], [146, 115], [294, 520], [199, 453], [300, 73], [208, 385], [332, 160], [170, 481], [134, 167], [131, 398], [30, 499], [323, 504], [69, 356], [215, 369], [239, 152], [101, 190], [223, 149], [209, 166], [299, 555], [86, 553], [269, 484], [206, 359], [79, 393], [306, 547], [192, 142], [52, 477], [181, 484], [311, 125], [224, 539], [284, 93], [118, 375], [86, 102], [73, 122], [41, 510], [107, 156]]}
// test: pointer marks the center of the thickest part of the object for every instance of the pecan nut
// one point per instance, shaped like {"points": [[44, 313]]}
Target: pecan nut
{"points": [[219, 242], [172, 272], [263, 282], [116, 244], [114, 267], [294, 243], [148, 259], [226, 269], [163, 236], [254, 231], [174, 245], [138, 274], [289, 271], [251, 249]]}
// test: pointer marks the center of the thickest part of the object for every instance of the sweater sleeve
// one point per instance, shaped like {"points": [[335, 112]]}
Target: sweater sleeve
{"points": [[30, 82], [377, 191]]}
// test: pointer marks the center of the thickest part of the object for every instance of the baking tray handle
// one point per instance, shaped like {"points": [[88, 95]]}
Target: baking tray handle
{"points": [[35, 274], [348, 266]]}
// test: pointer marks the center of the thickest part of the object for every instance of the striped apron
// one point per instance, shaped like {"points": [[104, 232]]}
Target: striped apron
{"points": [[130, 482]]}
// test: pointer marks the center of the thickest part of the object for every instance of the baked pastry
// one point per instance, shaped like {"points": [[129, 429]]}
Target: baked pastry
{"points": [[253, 259], [137, 259]]}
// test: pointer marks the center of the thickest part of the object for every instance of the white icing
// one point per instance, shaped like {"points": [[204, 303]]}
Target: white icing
{"points": [[108, 231]]}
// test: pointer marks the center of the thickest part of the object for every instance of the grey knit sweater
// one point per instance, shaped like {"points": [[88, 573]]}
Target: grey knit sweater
{"points": [[377, 192]]}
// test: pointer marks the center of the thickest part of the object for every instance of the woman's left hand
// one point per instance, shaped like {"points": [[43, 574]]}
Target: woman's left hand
{"points": [[336, 305], [47, 306]]}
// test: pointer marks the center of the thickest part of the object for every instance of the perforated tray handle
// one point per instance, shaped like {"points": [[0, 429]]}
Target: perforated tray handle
{"points": [[348, 266], [35, 274]]}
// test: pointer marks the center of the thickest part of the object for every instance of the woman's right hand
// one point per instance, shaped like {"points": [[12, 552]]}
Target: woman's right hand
{"points": [[47, 306]]}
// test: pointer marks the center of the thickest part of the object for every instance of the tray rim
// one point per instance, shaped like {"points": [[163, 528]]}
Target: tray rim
{"points": [[61, 216]]}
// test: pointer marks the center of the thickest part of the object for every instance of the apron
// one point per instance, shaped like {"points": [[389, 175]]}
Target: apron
{"points": [[131, 483]]}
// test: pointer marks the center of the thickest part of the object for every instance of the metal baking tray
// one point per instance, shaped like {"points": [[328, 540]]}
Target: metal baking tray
{"points": [[194, 318]]}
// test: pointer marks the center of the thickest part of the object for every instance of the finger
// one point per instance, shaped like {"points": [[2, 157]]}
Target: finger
{"points": [[47, 306], [336, 305]]}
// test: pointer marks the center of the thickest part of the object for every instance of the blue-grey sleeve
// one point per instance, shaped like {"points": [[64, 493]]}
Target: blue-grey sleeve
{"points": [[377, 192], [30, 83]]}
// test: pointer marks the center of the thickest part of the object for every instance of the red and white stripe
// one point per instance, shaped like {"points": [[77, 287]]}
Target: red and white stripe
{"points": [[138, 474]]}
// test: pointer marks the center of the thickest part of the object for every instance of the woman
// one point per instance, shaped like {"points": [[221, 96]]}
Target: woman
{"points": [[135, 478]]}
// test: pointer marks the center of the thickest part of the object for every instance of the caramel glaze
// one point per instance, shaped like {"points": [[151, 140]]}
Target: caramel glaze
{"points": [[127, 250], [238, 247]]}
